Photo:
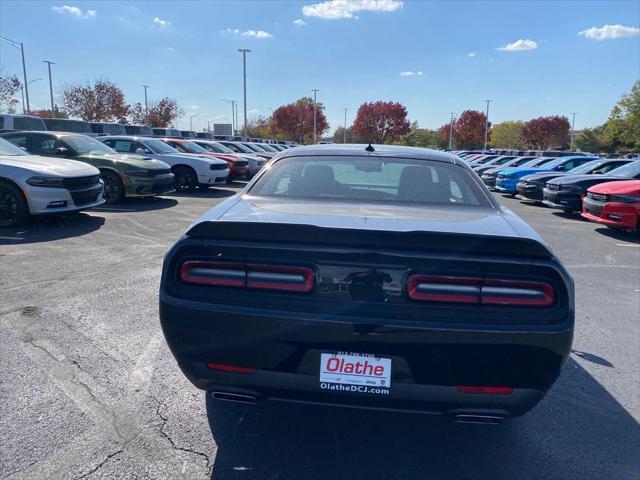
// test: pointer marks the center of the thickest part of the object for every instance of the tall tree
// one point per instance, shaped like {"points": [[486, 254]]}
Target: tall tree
{"points": [[468, 130], [420, 137], [47, 113], [162, 113], [9, 86], [295, 121], [593, 140], [547, 133], [507, 134], [260, 127], [622, 129], [102, 101], [381, 122]]}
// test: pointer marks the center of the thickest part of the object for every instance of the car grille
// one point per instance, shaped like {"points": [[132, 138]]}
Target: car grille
{"points": [[159, 171], [77, 183], [597, 197], [553, 186], [218, 166], [86, 196]]}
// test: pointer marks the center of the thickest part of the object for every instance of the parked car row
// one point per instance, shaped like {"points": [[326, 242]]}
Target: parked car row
{"points": [[603, 190], [9, 122], [88, 171]]}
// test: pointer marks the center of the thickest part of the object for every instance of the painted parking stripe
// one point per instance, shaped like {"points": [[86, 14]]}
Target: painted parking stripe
{"points": [[628, 245]]}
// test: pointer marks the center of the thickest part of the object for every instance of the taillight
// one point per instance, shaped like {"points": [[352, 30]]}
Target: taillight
{"points": [[482, 291], [485, 390], [289, 278]]}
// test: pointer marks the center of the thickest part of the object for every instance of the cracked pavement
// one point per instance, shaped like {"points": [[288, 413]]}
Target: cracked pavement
{"points": [[89, 389]]}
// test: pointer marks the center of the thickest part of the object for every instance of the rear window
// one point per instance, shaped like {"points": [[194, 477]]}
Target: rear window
{"points": [[26, 123], [60, 125], [372, 180]]}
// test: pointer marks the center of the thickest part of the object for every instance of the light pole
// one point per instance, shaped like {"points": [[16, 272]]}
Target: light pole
{"points": [[451, 131], [573, 122], [315, 92], [146, 105], [344, 133], [244, 52], [22, 91], [233, 109], [191, 117], [486, 125], [15, 44], [49, 63]]}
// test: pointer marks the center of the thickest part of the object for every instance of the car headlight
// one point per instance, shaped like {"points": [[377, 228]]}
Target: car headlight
{"points": [[138, 173], [624, 198], [52, 182]]}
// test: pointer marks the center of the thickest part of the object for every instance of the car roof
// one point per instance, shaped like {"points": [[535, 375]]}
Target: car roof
{"points": [[340, 149]]}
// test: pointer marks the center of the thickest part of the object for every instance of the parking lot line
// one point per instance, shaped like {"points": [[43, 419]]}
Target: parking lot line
{"points": [[628, 245]]}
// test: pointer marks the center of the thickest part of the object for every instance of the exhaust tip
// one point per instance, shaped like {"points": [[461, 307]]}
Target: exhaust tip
{"points": [[235, 397], [479, 419]]}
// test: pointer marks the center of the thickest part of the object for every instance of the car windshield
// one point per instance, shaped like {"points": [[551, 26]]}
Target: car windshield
{"points": [[215, 147], [254, 147], [629, 170], [192, 147], [83, 145], [158, 146], [8, 149], [586, 167], [267, 147], [238, 147], [372, 180]]}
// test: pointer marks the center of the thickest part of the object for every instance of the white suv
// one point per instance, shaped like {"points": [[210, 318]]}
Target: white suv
{"points": [[35, 185]]}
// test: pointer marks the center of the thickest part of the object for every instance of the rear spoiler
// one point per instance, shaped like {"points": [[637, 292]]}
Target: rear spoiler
{"points": [[383, 240]]}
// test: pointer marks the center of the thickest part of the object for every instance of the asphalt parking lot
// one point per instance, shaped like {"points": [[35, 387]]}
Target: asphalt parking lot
{"points": [[88, 388]]}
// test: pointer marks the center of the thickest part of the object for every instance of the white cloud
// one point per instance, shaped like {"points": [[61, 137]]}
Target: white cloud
{"points": [[299, 22], [519, 46], [257, 34], [335, 9], [74, 11], [410, 74], [471, 54], [234, 30], [171, 49], [161, 23], [609, 32]]}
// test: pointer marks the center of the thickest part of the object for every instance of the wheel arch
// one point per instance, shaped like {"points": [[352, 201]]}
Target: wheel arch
{"points": [[25, 195]]}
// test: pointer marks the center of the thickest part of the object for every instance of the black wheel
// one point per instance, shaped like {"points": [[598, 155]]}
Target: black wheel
{"points": [[113, 187], [14, 211], [185, 179]]}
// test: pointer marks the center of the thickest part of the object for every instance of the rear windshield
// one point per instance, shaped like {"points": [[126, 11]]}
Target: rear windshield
{"points": [[26, 123], [60, 125], [372, 180]]}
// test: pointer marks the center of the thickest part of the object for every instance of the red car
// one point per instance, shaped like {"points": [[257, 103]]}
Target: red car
{"points": [[238, 167], [614, 204]]}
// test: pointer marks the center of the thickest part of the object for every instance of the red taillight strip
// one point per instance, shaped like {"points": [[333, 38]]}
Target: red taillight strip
{"points": [[287, 278], [486, 291], [486, 390], [221, 367]]}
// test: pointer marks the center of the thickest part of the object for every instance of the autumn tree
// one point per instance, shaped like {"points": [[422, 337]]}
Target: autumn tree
{"points": [[9, 86], [381, 122], [592, 140], [507, 134], [468, 130], [162, 113], [259, 127], [295, 121], [102, 101], [546, 133], [47, 113]]}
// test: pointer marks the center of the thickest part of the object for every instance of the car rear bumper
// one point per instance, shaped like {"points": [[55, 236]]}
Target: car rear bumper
{"points": [[428, 364], [612, 214]]}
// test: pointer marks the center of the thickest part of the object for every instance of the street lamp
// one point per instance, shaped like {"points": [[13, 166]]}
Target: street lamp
{"points": [[146, 105], [191, 117], [244, 52], [344, 133], [573, 122], [451, 131], [15, 44], [234, 124], [50, 83], [315, 92], [22, 90], [486, 125]]}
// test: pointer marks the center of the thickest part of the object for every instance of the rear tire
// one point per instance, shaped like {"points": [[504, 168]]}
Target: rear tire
{"points": [[14, 210], [185, 179], [113, 187]]}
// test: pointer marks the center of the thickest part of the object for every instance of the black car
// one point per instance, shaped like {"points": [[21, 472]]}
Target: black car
{"points": [[139, 130], [566, 193], [103, 128], [167, 132], [530, 186], [66, 125], [383, 277]]}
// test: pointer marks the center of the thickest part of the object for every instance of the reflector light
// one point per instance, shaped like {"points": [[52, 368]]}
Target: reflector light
{"points": [[221, 367], [485, 291], [486, 390], [289, 278]]}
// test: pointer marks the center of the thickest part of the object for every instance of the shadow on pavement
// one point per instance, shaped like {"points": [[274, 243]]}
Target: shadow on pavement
{"points": [[206, 193], [621, 235], [145, 204], [578, 431], [48, 228]]}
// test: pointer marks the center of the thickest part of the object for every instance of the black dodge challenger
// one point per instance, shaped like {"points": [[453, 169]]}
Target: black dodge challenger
{"points": [[378, 277]]}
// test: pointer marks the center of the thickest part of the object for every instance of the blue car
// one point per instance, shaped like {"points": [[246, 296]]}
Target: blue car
{"points": [[508, 178]]}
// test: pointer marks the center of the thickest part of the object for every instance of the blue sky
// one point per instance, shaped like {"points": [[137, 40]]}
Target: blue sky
{"points": [[528, 57]]}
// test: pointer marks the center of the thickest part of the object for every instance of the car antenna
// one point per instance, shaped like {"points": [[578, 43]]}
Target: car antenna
{"points": [[370, 148]]}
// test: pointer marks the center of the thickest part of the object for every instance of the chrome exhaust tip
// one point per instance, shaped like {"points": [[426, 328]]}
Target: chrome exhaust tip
{"points": [[235, 397]]}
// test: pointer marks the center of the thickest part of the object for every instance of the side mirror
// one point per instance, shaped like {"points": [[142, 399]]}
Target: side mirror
{"points": [[140, 151], [63, 151]]}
